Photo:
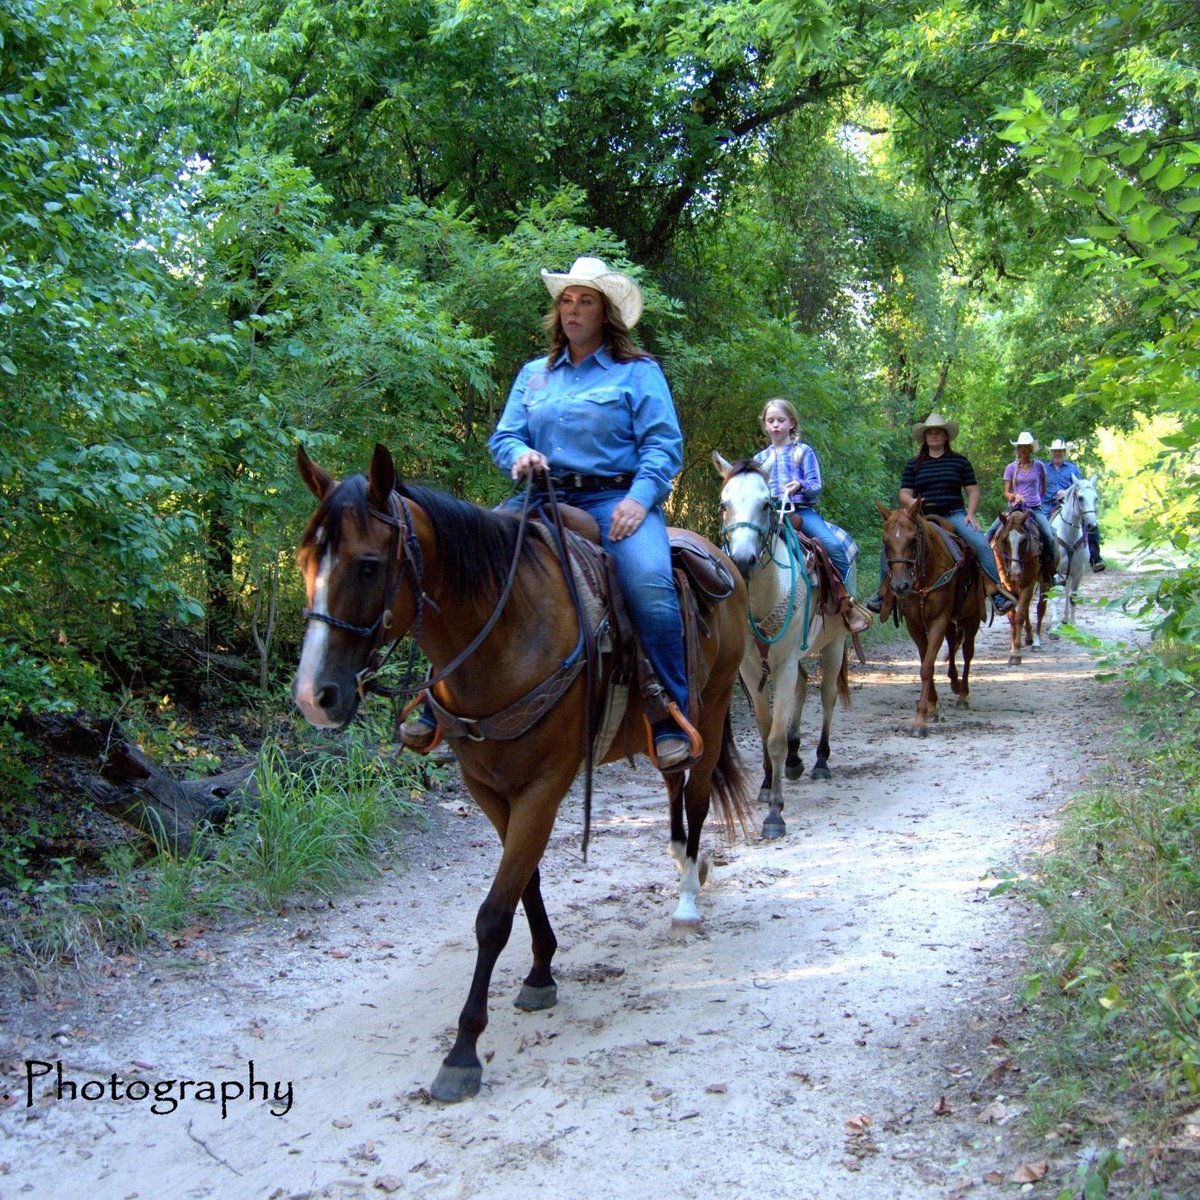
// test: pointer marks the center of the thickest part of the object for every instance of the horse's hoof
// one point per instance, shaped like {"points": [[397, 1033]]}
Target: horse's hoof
{"points": [[821, 773], [963, 702], [920, 731], [1014, 660], [793, 772], [773, 827], [534, 999], [764, 795], [454, 1084]]}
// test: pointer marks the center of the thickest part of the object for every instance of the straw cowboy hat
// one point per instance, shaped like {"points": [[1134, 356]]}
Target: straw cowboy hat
{"points": [[623, 292], [1059, 444], [935, 421], [1025, 438]]}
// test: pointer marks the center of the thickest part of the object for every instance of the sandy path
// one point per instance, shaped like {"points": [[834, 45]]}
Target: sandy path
{"points": [[837, 1031]]}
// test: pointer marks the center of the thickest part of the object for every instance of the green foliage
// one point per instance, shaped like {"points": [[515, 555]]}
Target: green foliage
{"points": [[312, 830], [1117, 992]]}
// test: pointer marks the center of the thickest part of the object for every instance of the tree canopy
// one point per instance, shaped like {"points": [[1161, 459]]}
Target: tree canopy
{"points": [[226, 228]]}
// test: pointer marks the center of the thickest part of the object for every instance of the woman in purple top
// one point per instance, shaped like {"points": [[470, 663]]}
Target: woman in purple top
{"points": [[1025, 484]]}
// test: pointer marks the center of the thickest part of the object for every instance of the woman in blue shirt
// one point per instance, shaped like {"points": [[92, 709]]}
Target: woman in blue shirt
{"points": [[596, 415]]}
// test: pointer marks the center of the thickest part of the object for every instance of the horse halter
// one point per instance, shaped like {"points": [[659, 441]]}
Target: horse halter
{"points": [[915, 563], [766, 533], [411, 568]]}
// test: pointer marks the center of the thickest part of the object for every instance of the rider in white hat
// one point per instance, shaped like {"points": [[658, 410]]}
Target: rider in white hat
{"points": [[1025, 486], [1060, 474]]}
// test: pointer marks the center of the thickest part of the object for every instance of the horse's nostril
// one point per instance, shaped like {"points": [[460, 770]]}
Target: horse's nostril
{"points": [[327, 696]]}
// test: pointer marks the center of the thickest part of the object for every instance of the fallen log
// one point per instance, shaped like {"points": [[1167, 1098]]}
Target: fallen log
{"points": [[171, 811], [95, 758]]}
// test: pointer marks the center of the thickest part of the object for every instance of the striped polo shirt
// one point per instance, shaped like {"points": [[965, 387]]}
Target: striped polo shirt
{"points": [[939, 481]]}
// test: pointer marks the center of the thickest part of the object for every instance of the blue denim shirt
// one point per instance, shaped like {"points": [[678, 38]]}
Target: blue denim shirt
{"points": [[601, 417], [1058, 479]]}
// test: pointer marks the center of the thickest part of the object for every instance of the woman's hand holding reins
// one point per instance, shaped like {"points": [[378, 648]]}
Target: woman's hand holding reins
{"points": [[528, 463]]}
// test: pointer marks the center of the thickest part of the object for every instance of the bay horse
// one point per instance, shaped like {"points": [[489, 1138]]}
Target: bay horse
{"points": [[937, 583], [1018, 550], [381, 558], [1075, 515], [785, 627]]}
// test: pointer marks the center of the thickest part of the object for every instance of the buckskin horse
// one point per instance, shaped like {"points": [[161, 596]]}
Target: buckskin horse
{"points": [[1018, 550], [1075, 515], [487, 599], [785, 626], [936, 583]]}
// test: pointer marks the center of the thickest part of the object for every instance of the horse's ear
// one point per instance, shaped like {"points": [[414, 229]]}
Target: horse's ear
{"points": [[913, 508], [883, 512], [720, 463], [319, 482], [381, 478], [1094, 481]]}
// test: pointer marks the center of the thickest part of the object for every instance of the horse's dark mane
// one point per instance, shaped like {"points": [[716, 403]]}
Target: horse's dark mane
{"points": [[742, 467], [475, 545]]}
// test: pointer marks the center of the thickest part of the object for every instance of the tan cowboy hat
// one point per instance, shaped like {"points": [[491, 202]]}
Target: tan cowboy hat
{"points": [[935, 421], [1059, 444], [1025, 438], [622, 291]]}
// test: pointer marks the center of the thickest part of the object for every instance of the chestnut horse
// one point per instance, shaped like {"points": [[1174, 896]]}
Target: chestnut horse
{"points": [[380, 559], [937, 583], [786, 627], [1018, 550]]}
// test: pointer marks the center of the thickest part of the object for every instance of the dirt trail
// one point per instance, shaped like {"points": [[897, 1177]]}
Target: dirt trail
{"points": [[837, 1031]]}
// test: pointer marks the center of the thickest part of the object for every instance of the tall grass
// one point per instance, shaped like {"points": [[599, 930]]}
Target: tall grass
{"points": [[317, 828]]}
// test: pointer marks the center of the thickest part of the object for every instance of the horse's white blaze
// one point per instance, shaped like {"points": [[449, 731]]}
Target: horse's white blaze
{"points": [[312, 652], [1014, 547]]}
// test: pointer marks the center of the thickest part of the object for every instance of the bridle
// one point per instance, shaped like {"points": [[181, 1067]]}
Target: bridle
{"points": [[412, 568], [766, 535], [918, 563], [776, 528]]}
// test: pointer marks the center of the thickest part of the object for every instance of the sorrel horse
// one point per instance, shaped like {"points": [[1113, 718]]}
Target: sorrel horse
{"points": [[380, 559], [938, 585], [785, 627], [1073, 518], [1018, 550]]}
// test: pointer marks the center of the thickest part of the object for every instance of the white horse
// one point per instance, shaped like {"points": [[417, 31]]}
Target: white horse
{"points": [[1070, 524], [785, 627]]}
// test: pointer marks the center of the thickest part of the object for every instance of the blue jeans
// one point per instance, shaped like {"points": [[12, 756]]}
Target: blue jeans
{"points": [[643, 562], [977, 540], [837, 542]]}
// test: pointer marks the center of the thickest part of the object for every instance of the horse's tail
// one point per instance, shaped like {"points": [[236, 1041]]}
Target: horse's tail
{"points": [[843, 677], [731, 786]]}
